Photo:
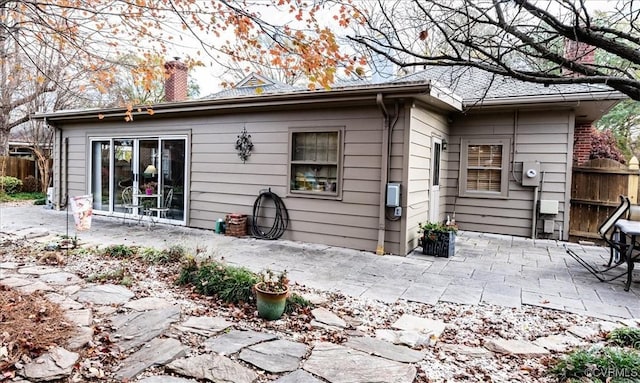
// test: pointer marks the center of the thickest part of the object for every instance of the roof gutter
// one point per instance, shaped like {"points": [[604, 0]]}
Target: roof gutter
{"points": [[269, 100], [571, 97]]}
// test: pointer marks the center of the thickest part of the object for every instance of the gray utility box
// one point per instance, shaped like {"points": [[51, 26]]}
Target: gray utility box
{"points": [[531, 173]]}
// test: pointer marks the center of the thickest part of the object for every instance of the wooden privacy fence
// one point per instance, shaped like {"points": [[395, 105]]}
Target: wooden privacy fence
{"points": [[17, 167], [595, 193]]}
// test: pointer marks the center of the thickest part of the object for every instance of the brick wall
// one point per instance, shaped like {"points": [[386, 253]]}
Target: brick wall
{"points": [[582, 143], [175, 85]]}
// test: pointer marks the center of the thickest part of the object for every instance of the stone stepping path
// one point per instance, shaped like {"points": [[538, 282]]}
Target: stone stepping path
{"points": [[340, 364], [235, 341], [138, 328], [147, 331], [213, 367], [325, 317], [158, 352], [385, 349], [275, 356], [298, 376], [204, 325], [512, 346]]}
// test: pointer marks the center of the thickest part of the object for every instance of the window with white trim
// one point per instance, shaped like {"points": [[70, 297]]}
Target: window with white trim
{"points": [[315, 161], [484, 167]]}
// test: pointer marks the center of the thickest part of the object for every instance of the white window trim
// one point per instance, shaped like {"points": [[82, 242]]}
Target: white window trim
{"points": [[464, 165], [337, 195]]}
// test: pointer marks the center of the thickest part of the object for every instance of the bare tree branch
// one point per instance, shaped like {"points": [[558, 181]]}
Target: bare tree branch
{"points": [[524, 39]]}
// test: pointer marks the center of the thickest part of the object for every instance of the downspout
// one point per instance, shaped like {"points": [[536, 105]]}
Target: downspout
{"points": [[383, 174], [57, 189], [66, 170], [534, 213]]}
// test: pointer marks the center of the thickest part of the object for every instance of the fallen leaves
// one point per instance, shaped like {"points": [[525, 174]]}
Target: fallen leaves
{"points": [[30, 325]]}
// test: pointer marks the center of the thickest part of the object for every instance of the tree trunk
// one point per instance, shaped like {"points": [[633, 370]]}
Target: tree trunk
{"points": [[4, 142]]}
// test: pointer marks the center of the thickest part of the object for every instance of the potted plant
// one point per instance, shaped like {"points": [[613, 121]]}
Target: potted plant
{"points": [[438, 239], [150, 187], [272, 291]]}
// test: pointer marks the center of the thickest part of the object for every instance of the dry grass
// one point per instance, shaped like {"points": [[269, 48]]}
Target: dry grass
{"points": [[29, 325]]}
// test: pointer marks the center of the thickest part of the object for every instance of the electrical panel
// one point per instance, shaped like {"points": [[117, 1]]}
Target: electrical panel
{"points": [[548, 206], [548, 226], [393, 195], [531, 173]]}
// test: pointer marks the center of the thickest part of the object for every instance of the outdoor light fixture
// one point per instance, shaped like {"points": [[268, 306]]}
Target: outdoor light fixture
{"points": [[151, 170], [444, 145]]}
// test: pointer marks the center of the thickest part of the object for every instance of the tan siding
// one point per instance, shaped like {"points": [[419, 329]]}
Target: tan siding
{"points": [[367, 161], [539, 135], [263, 158], [77, 163], [222, 184], [425, 124]]}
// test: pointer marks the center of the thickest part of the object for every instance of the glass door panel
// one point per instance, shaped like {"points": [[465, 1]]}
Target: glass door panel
{"points": [[140, 163], [172, 169], [100, 175], [123, 175]]}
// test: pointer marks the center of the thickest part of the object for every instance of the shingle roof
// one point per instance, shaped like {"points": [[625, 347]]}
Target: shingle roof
{"points": [[474, 84]]}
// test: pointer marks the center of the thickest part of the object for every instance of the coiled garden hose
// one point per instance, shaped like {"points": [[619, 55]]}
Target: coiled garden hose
{"points": [[280, 221]]}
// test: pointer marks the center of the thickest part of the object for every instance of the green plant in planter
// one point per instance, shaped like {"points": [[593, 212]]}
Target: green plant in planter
{"points": [[272, 291], [437, 238]]}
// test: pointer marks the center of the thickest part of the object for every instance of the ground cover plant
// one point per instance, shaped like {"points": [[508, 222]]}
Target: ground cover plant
{"points": [[230, 283], [119, 275], [626, 337], [599, 364], [120, 251], [22, 196]]}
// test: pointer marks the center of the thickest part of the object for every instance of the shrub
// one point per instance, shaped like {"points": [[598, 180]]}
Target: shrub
{"points": [[119, 251], [599, 365], [30, 184], [295, 302], [40, 201], [175, 253], [237, 285], [10, 185], [229, 283], [188, 273], [120, 275], [626, 336], [604, 145]]}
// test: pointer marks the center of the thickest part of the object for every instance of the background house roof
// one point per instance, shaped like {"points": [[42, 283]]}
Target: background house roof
{"points": [[255, 84]]}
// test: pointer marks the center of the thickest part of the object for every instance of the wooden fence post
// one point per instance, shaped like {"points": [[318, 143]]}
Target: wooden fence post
{"points": [[633, 180]]}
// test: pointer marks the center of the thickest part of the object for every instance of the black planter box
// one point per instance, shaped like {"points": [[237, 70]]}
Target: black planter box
{"points": [[440, 244]]}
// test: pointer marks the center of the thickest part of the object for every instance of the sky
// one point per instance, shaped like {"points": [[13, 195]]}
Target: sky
{"points": [[210, 76]]}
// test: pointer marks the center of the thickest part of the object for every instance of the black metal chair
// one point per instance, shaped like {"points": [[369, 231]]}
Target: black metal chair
{"points": [[618, 247]]}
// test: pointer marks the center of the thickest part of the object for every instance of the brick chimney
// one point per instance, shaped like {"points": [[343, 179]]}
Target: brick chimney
{"points": [[175, 85], [582, 143], [579, 52]]}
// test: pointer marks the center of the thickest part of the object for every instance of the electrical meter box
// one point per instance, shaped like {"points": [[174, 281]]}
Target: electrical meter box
{"points": [[531, 173], [393, 195]]}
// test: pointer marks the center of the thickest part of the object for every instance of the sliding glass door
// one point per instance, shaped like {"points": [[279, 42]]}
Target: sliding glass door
{"points": [[153, 167]]}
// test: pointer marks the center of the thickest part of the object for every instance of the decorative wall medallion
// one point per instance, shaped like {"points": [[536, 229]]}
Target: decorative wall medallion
{"points": [[244, 145]]}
